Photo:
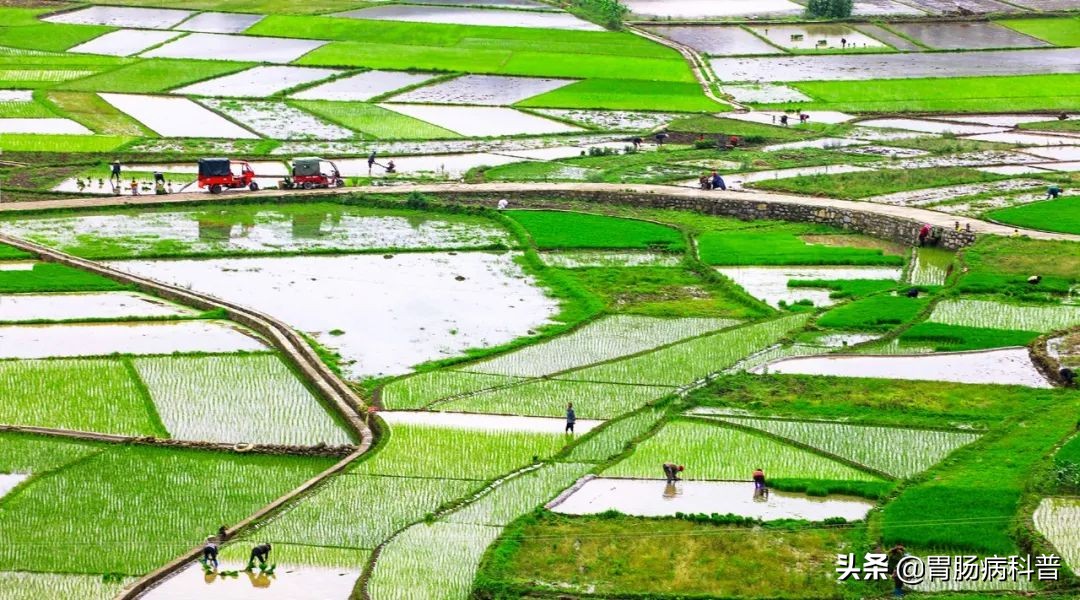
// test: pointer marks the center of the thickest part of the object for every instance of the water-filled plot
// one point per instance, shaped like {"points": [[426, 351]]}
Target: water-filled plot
{"points": [[490, 90], [120, 16], [656, 499], [456, 15], [362, 86], [257, 82], [716, 40], [215, 46], [124, 42], [102, 339], [966, 36], [481, 121], [86, 305], [219, 22], [416, 306], [817, 37], [176, 117]]}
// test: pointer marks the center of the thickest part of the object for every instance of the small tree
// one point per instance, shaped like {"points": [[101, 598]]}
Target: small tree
{"points": [[829, 9]]}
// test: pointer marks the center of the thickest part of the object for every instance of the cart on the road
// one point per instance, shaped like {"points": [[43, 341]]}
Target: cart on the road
{"points": [[310, 173], [217, 173]]}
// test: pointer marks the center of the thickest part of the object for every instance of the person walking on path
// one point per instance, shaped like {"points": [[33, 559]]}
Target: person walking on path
{"points": [[671, 472], [260, 552], [114, 173], [210, 553], [570, 418]]}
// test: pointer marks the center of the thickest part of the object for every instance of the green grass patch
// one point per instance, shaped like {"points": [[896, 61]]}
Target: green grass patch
{"points": [[1000, 265], [154, 75], [873, 313], [83, 395], [22, 29], [627, 94], [873, 401], [782, 245], [863, 184], [955, 338], [10, 109], [1059, 32], [971, 501], [620, 556], [1062, 215], [24, 453], [729, 127], [267, 7], [664, 292], [686, 362], [115, 502], [479, 49], [953, 94], [12, 253], [375, 121], [562, 229], [712, 451], [97, 114], [459, 453], [846, 288], [52, 277], [1056, 125], [33, 142]]}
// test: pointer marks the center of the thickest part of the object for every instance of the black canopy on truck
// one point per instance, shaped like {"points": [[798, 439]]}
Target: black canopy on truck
{"points": [[214, 167]]}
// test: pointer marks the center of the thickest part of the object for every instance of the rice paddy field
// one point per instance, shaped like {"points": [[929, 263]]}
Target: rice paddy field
{"points": [[436, 392]]}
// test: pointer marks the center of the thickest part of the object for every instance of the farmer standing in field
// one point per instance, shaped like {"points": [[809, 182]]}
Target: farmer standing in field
{"points": [[370, 161], [759, 481], [570, 418], [114, 171], [895, 555], [671, 471]]}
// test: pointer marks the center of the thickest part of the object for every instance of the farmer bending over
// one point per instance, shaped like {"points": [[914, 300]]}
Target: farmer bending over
{"points": [[671, 471], [261, 552], [210, 551]]}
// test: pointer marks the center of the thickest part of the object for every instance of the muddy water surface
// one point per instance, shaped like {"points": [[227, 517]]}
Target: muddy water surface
{"points": [[717, 40], [101, 339], [1011, 366], [966, 36], [383, 314], [897, 66], [811, 37], [287, 583], [654, 498], [91, 305]]}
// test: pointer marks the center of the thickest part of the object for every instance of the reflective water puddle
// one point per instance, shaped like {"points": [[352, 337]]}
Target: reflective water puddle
{"points": [[655, 498], [102, 339], [287, 583], [90, 305], [481, 422]]}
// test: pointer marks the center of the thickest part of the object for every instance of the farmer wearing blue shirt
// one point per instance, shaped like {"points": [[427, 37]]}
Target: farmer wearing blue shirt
{"points": [[570, 418]]}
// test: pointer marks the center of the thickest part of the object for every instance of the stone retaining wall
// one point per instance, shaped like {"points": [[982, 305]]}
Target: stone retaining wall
{"points": [[895, 228]]}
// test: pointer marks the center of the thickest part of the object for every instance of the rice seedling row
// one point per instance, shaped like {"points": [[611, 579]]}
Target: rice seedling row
{"points": [[420, 390], [97, 395], [437, 560], [130, 509], [360, 511], [458, 453], [608, 338], [34, 586], [689, 361], [35, 455], [252, 399], [549, 397], [761, 360], [998, 315], [711, 451], [519, 495], [1058, 519], [615, 436], [898, 452]]}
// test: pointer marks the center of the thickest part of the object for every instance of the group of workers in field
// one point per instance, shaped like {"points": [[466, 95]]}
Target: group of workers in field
{"points": [[260, 553]]}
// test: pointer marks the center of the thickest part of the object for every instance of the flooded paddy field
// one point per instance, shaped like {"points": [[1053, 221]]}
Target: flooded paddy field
{"points": [[102, 339], [216, 46], [705, 9], [257, 82], [480, 121], [119, 16], [716, 40], [896, 66], [87, 305], [490, 90], [362, 86], [464, 300], [966, 36], [654, 498], [219, 22], [176, 117], [817, 37], [1006, 367], [473, 16], [124, 42], [260, 229], [770, 284], [288, 582]]}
